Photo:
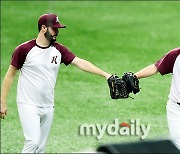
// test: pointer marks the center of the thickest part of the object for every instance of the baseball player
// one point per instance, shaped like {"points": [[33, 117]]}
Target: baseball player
{"points": [[169, 63], [38, 61]]}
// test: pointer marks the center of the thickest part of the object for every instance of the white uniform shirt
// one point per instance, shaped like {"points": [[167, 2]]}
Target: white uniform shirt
{"points": [[38, 71], [170, 63]]}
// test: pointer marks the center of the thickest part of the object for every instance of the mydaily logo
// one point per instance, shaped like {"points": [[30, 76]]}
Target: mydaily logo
{"points": [[135, 128]]}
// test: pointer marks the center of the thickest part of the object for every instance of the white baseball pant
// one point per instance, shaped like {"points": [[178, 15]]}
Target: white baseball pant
{"points": [[173, 118], [36, 123]]}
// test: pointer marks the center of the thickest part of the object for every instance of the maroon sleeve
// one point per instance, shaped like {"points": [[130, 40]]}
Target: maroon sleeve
{"points": [[20, 53], [67, 56], [166, 63]]}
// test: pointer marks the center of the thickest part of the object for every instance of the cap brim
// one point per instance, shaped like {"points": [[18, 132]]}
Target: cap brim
{"points": [[59, 26]]}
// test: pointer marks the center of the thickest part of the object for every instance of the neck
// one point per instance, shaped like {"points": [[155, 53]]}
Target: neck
{"points": [[42, 41]]}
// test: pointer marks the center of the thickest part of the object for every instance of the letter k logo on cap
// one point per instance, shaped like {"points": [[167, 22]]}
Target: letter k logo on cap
{"points": [[57, 19]]}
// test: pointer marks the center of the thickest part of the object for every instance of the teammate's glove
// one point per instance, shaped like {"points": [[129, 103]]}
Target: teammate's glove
{"points": [[122, 87], [132, 82], [118, 87]]}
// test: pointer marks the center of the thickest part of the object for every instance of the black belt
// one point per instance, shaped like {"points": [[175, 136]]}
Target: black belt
{"points": [[178, 103]]}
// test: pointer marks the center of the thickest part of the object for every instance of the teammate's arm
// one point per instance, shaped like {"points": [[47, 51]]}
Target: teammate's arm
{"points": [[147, 71], [6, 85], [89, 67]]}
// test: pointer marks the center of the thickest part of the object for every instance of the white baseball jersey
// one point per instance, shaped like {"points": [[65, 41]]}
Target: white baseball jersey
{"points": [[39, 67], [170, 63]]}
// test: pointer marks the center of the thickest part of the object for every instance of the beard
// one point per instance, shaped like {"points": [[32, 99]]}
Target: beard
{"points": [[49, 37]]}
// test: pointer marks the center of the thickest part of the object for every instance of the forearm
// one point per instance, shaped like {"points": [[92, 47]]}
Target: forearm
{"points": [[7, 82], [147, 71], [89, 67], [6, 87]]}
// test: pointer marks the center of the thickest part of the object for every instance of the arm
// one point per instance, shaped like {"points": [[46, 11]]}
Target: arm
{"points": [[6, 85], [89, 67], [147, 71]]}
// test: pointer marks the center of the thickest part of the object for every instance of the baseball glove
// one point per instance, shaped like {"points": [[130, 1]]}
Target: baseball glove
{"points": [[118, 87], [132, 82], [121, 87]]}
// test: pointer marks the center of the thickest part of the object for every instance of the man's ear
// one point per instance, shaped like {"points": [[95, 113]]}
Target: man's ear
{"points": [[44, 28]]}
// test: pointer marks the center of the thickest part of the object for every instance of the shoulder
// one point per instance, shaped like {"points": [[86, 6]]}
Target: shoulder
{"points": [[171, 56], [62, 49], [28, 45], [20, 53], [166, 63], [59, 46], [173, 53]]}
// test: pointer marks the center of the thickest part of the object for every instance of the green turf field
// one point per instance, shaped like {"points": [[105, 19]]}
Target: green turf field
{"points": [[115, 36]]}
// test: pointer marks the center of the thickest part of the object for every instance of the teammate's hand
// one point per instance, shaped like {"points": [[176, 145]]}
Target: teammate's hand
{"points": [[3, 110]]}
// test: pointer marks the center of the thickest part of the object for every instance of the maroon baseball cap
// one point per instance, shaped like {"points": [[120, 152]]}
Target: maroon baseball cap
{"points": [[50, 20]]}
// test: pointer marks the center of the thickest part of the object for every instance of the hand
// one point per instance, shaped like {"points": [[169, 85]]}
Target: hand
{"points": [[107, 76], [3, 110]]}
